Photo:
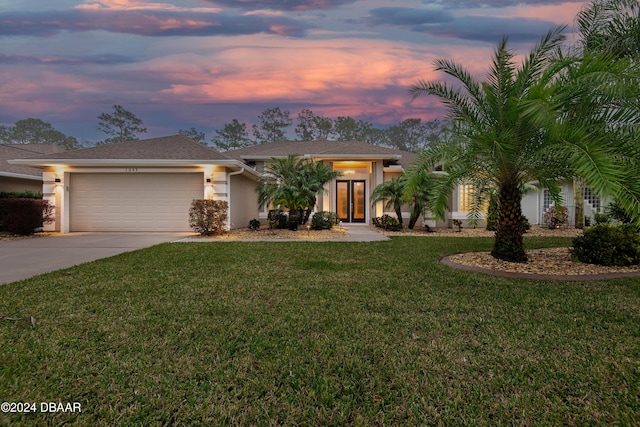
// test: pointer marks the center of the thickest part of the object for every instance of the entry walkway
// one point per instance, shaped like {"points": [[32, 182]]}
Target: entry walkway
{"points": [[361, 233]]}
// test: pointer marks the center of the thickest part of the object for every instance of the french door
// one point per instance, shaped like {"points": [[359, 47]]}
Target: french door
{"points": [[351, 200]]}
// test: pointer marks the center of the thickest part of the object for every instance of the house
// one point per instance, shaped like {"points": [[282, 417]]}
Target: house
{"points": [[16, 178], [145, 185], [148, 185], [362, 166]]}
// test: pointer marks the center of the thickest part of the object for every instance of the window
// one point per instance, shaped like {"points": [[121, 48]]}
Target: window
{"points": [[591, 198], [466, 193], [547, 201]]}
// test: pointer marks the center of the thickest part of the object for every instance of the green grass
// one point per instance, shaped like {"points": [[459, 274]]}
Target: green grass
{"points": [[319, 334]]}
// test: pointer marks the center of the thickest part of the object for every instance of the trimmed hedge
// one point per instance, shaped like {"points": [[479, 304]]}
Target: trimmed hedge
{"points": [[20, 195], [23, 215]]}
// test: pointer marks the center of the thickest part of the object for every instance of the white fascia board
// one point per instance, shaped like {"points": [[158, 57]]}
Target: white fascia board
{"points": [[230, 163], [21, 176]]}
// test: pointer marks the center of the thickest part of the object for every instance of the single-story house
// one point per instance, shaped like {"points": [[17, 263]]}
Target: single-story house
{"points": [[16, 178], [148, 185]]}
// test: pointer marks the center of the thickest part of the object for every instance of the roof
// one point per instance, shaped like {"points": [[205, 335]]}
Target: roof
{"points": [[15, 151], [175, 147], [322, 149], [175, 150]]}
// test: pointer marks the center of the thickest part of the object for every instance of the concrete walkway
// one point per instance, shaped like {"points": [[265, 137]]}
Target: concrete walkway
{"points": [[24, 258]]}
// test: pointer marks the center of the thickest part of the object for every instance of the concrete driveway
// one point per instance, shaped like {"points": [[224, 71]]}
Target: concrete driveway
{"points": [[24, 258]]}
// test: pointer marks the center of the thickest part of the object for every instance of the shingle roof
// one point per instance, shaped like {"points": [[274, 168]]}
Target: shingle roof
{"points": [[18, 151], [321, 148], [175, 147]]}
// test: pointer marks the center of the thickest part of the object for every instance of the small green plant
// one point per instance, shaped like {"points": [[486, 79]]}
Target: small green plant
{"points": [[556, 217], [587, 221], [617, 213], [277, 219], [601, 218], [387, 222], [254, 224], [208, 217], [323, 220], [457, 223], [606, 244], [524, 224]]}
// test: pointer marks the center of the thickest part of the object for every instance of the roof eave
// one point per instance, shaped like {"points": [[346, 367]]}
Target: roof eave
{"points": [[21, 176], [233, 164]]}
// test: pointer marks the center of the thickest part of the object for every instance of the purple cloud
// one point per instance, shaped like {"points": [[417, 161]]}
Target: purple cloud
{"points": [[145, 23], [290, 5]]}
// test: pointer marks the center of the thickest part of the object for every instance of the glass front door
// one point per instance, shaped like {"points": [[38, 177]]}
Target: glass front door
{"points": [[350, 201]]}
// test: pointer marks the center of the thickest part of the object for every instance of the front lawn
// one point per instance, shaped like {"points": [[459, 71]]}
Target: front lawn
{"points": [[311, 333]]}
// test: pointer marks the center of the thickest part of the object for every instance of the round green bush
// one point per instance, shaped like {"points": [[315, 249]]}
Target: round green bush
{"points": [[323, 220], [605, 244]]}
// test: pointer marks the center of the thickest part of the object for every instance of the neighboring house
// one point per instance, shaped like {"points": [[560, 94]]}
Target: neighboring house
{"points": [[15, 178], [363, 166], [145, 185]]}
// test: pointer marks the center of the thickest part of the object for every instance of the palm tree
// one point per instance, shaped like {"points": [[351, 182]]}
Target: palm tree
{"points": [[417, 192], [516, 127], [392, 194], [294, 183]]}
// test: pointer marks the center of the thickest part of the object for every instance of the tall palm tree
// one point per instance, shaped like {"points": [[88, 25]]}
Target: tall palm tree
{"points": [[515, 127]]}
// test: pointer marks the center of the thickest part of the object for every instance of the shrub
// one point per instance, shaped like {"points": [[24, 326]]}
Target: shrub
{"points": [[457, 223], [23, 216], [277, 219], [388, 223], [601, 218], [555, 217], [524, 224], [615, 211], [20, 195], [208, 216], [254, 224], [605, 244], [323, 220]]}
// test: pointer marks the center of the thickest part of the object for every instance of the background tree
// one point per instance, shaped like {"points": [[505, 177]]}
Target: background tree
{"points": [[350, 129], [514, 127], [413, 134], [36, 131], [294, 183], [311, 127], [121, 126], [273, 125], [194, 135], [232, 136]]}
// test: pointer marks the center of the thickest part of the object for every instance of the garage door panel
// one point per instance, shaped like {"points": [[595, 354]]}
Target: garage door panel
{"points": [[133, 202]]}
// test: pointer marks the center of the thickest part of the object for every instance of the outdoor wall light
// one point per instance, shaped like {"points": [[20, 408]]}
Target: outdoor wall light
{"points": [[208, 180], [57, 180]]}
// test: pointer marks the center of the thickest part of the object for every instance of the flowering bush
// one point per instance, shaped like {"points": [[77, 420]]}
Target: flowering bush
{"points": [[208, 216], [555, 217]]}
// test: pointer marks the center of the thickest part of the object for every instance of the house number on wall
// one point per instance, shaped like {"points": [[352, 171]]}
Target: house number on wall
{"points": [[131, 169]]}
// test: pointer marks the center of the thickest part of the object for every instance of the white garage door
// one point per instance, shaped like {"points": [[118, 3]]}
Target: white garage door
{"points": [[132, 202]]}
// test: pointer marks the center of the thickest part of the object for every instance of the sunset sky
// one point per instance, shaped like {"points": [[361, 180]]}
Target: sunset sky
{"points": [[201, 63]]}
